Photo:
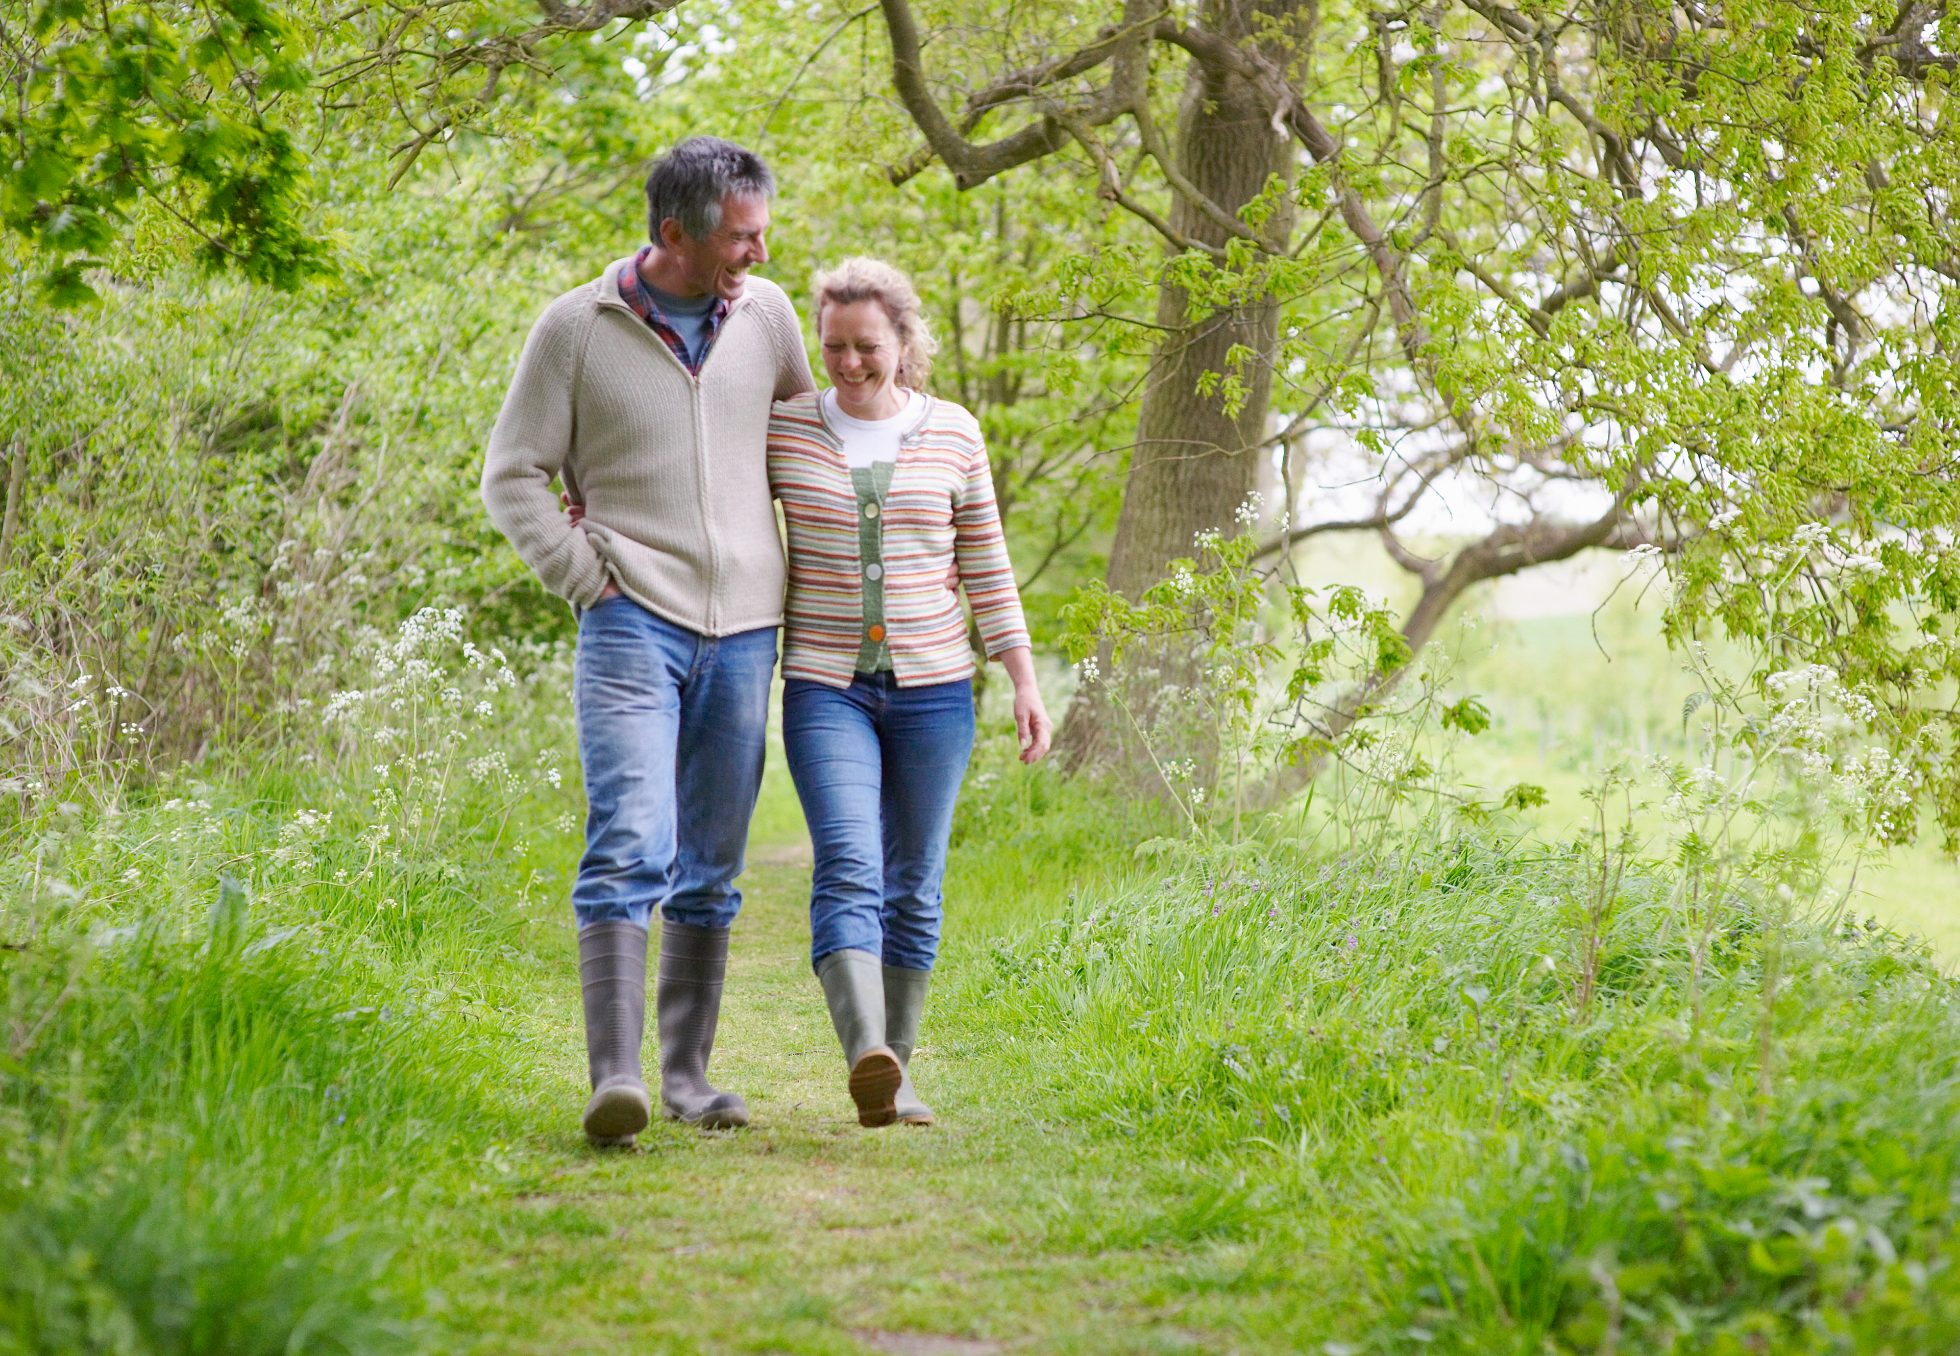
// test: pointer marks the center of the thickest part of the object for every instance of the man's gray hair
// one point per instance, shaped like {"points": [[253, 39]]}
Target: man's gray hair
{"points": [[689, 182]]}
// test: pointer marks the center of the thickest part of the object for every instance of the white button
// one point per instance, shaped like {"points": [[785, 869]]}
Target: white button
{"points": [[871, 510], [874, 571]]}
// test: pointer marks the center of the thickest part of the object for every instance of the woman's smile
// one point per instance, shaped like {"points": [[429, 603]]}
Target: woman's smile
{"points": [[860, 356]]}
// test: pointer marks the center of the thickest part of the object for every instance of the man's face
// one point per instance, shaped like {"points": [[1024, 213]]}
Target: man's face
{"points": [[718, 264]]}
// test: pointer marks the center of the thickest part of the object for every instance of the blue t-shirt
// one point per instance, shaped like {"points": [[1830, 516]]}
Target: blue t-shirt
{"points": [[689, 318]]}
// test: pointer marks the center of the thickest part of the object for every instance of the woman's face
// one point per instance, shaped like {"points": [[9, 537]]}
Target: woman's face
{"points": [[860, 355]]}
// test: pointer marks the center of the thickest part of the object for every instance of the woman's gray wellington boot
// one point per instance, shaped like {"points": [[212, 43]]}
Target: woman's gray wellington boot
{"points": [[612, 971], [905, 999], [855, 993], [687, 1004]]}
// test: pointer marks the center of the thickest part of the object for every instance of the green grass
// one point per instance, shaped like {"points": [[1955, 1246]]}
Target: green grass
{"points": [[1570, 695], [1574, 691], [223, 1096], [1382, 1068], [1336, 1103]]}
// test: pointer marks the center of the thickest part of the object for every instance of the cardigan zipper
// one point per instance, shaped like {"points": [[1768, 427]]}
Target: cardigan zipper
{"points": [[703, 496]]}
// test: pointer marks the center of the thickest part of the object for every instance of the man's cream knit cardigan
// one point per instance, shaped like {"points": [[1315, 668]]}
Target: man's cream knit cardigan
{"points": [[671, 467]]}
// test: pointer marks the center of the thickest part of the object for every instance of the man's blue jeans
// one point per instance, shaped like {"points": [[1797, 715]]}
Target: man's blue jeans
{"points": [[670, 731], [878, 768]]}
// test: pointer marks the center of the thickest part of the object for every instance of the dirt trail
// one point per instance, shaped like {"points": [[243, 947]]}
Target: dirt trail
{"points": [[802, 1233]]}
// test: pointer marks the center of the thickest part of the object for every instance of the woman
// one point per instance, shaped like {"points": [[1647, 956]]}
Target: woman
{"points": [[885, 490]]}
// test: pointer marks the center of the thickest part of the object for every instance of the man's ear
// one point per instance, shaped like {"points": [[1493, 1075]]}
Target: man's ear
{"points": [[671, 234]]}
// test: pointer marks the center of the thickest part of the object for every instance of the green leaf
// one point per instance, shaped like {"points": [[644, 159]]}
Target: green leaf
{"points": [[1469, 715], [1524, 796]]}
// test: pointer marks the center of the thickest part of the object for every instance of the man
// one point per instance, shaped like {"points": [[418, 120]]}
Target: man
{"points": [[648, 390]]}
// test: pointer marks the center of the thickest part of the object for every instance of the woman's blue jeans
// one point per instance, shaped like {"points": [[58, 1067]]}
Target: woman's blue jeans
{"points": [[671, 729], [878, 768]]}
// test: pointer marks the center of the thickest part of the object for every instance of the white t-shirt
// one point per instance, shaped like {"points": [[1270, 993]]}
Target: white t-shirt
{"points": [[868, 441]]}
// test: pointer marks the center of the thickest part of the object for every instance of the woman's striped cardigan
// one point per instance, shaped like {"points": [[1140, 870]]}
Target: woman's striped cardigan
{"points": [[939, 510]]}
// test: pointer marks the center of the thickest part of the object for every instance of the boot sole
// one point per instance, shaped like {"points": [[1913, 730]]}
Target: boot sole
{"points": [[874, 1087], [616, 1114]]}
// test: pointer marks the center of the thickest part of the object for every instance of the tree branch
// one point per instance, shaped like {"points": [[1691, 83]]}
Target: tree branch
{"points": [[1109, 186], [596, 14], [972, 164]]}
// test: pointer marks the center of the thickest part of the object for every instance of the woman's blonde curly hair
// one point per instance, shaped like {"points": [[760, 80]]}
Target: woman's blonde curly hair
{"points": [[863, 279]]}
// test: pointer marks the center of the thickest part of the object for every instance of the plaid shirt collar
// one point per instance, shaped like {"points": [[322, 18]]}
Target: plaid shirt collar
{"points": [[634, 293]]}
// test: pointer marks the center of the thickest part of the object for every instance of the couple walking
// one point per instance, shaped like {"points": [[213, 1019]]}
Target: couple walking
{"points": [[673, 396]]}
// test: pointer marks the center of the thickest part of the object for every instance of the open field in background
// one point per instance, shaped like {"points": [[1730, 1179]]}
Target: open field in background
{"points": [[1570, 660]]}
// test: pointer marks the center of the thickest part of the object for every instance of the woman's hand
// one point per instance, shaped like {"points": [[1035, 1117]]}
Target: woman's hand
{"points": [[577, 510], [1031, 721]]}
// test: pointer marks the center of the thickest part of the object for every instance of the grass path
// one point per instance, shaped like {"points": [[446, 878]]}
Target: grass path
{"points": [[805, 1233]]}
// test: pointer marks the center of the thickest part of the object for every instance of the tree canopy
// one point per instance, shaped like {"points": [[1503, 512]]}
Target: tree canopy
{"points": [[1675, 277], [1664, 275]]}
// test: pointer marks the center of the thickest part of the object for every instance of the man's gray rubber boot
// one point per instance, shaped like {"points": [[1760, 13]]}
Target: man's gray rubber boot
{"points": [[612, 972], [855, 992], [687, 1004], [905, 999]]}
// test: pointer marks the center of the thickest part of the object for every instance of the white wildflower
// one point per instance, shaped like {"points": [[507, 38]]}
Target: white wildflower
{"points": [[298, 835], [1859, 707], [489, 766], [1813, 676], [341, 704]]}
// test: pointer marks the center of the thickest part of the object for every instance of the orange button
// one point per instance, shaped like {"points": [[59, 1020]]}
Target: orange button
{"points": [[876, 633]]}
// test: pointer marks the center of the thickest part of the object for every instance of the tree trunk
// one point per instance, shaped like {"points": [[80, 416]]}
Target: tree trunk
{"points": [[16, 489], [1194, 463]]}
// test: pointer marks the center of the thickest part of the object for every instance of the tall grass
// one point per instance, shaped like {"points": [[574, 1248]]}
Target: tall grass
{"points": [[252, 1027], [1381, 1083]]}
